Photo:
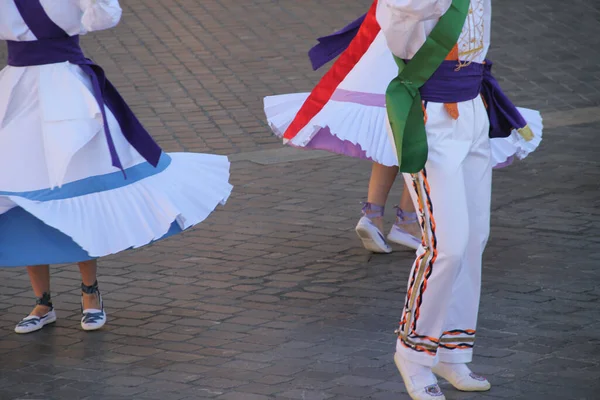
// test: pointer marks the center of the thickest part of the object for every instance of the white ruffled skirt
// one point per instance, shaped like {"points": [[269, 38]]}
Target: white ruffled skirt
{"points": [[360, 130], [61, 200]]}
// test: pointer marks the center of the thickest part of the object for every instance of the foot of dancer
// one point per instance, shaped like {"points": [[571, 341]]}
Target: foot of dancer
{"points": [[406, 230], [92, 310], [461, 377], [43, 313], [370, 227], [93, 315], [88, 277], [420, 382]]}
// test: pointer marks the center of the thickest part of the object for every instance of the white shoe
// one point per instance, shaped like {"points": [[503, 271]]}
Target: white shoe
{"points": [[420, 382], [461, 377], [371, 237], [400, 236], [32, 323], [92, 318]]}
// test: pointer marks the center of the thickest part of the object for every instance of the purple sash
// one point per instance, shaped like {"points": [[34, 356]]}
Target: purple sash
{"points": [[333, 45], [54, 45]]}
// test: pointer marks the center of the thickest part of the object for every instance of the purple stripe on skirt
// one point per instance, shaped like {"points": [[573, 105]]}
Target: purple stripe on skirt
{"points": [[362, 98], [506, 163], [325, 140]]}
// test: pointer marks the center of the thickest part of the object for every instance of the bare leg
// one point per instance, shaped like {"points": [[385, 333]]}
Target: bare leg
{"points": [[406, 203], [88, 277], [408, 207], [39, 276], [380, 184]]}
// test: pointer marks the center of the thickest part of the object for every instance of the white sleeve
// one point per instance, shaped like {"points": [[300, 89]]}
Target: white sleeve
{"points": [[400, 19], [100, 14], [416, 10]]}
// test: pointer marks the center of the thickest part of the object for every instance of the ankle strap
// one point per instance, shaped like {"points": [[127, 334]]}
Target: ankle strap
{"points": [[90, 289], [405, 217], [45, 300], [372, 210]]}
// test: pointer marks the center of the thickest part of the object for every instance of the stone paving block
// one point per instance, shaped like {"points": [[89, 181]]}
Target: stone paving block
{"points": [[242, 396], [388, 396], [305, 395], [262, 389], [353, 392], [350, 380]]}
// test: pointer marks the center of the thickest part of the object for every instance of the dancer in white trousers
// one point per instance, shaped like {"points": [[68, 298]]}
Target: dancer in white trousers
{"points": [[463, 107]]}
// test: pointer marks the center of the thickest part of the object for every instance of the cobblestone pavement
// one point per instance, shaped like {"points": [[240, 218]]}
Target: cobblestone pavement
{"points": [[273, 297]]}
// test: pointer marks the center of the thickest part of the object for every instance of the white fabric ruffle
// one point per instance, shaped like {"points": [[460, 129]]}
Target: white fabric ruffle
{"points": [[107, 222], [514, 145], [348, 121], [366, 126]]}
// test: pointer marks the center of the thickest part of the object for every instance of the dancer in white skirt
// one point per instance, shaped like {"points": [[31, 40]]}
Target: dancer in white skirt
{"points": [[81, 178], [346, 115]]}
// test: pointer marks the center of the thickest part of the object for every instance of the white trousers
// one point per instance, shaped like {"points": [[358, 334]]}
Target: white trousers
{"points": [[452, 195]]}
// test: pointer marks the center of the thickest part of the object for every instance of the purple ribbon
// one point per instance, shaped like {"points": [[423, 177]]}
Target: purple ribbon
{"points": [[54, 45], [504, 115], [331, 46]]}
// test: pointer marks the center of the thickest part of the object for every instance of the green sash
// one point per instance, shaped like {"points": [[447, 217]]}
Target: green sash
{"points": [[402, 97]]}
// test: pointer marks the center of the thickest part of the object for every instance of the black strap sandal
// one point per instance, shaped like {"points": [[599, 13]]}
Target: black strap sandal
{"points": [[33, 323], [92, 319]]}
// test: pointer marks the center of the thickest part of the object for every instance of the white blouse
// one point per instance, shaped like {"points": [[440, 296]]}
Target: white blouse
{"points": [[407, 23], [76, 17]]}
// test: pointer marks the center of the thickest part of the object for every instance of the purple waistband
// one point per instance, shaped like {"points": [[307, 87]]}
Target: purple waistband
{"points": [[45, 51], [450, 84], [63, 49]]}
